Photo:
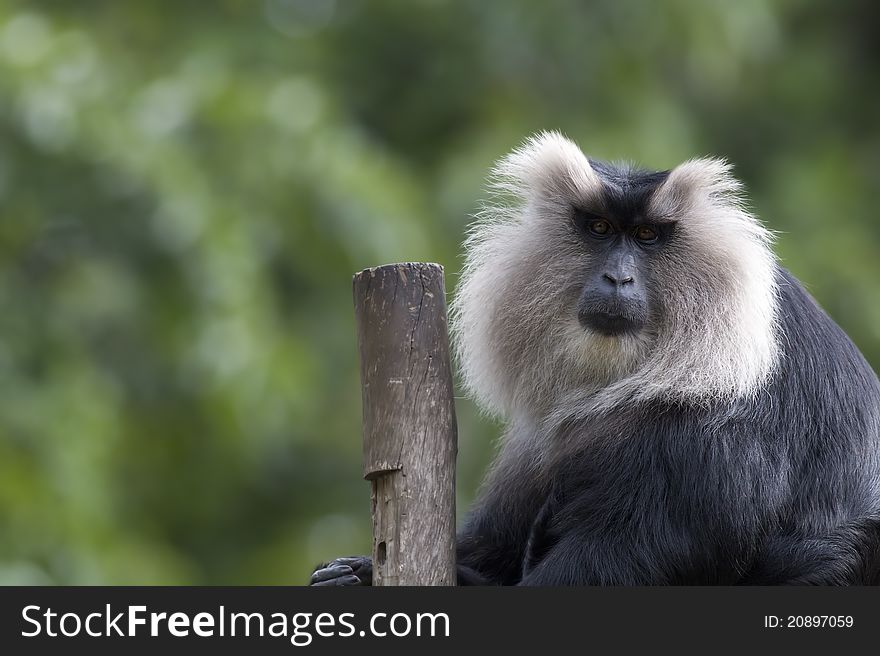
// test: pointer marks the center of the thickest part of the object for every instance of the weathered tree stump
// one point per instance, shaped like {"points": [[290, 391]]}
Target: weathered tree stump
{"points": [[410, 435]]}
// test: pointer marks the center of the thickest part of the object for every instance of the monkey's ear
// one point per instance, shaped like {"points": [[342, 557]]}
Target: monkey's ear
{"points": [[696, 183], [546, 165]]}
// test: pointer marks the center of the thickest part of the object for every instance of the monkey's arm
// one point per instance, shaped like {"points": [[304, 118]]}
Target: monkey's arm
{"points": [[580, 560], [492, 541], [490, 548], [490, 552]]}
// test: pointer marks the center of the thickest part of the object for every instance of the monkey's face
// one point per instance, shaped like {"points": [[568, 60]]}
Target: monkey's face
{"points": [[620, 249], [605, 280]]}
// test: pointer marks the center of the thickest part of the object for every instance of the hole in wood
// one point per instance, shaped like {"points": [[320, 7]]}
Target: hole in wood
{"points": [[380, 553]]}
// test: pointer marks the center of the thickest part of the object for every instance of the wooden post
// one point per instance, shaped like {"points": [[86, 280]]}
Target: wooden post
{"points": [[410, 435]]}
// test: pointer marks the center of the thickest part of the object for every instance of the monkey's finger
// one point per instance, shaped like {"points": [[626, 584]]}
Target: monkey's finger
{"points": [[332, 572], [359, 564], [350, 560], [342, 580]]}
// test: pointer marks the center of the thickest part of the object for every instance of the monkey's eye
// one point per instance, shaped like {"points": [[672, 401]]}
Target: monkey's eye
{"points": [[600, 228], [646, 234]]}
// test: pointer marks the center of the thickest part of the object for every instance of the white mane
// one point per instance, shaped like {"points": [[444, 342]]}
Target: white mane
{"points": [[519, 345]]}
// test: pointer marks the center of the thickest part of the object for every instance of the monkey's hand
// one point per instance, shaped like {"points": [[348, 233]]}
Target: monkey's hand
{"points": [[353, 570]]}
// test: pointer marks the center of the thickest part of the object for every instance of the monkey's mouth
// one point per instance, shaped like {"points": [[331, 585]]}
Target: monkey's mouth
{"points": [[610, 324]]}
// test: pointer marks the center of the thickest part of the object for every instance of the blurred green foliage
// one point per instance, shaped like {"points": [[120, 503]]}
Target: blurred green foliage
{"points": [[186, 189]]}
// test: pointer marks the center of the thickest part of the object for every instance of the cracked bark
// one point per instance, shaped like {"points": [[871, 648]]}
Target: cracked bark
{"points": [[410, 441]]}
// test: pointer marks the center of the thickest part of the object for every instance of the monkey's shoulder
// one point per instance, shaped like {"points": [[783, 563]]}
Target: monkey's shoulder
{"points": [[820, 373]]}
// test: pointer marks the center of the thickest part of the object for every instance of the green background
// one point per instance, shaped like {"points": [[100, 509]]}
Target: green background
{"points": [[187, 187]]}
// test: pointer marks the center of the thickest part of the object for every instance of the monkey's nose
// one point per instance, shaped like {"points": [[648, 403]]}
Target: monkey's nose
{"points": [[618, 279]]}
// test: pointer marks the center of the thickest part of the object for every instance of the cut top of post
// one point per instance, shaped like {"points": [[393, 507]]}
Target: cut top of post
{"points": [[405, 371]]}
